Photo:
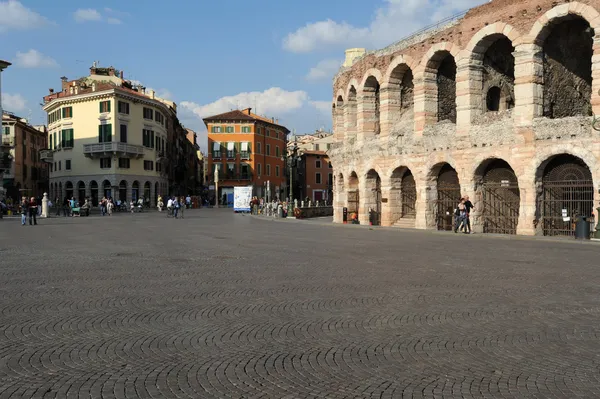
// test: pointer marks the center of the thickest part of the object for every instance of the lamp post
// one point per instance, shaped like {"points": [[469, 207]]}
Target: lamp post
{"points": [[217, 187]]}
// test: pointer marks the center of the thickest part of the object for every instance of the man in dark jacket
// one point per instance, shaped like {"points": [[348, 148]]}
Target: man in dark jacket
{"points": [[32, 211]]}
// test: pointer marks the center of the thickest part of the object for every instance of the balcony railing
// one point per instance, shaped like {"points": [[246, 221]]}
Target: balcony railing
{"points": [[47, 155], [121, 149]]}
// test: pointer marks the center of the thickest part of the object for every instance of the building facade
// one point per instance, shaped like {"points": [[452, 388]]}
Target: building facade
{"points": [[24, 171], [108, 138], [496, 104], [247, 150]]}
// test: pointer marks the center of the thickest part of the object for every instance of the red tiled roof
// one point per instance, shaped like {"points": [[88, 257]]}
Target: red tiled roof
{"points": [[241, 115]]}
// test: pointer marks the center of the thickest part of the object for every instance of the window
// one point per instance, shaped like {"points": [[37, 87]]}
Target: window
{"points": [[330, 179], [268, 149], [148, 113], [123, 136], [104, 163], [159, 118], [245, 150], [148, 165], [54, 140], [67, 138], [277, 151], [258, 169], [54, 116], [216, 150], [105, 133], [104, 106], [258, 148], [6, 130], [316, 147], [245, 171], [50, 141], [268, 170], [230, 150], [229, 129], [267, 132], [230, 170], [318, 178], [330, 165], [124, 163], [277, 170], [67, 112], [68, 164], [157, 143], [55, 166], [148, 138], [259, 131], [245, 129], [215, 129], [123, 107], [328, 146], [318, 164]]}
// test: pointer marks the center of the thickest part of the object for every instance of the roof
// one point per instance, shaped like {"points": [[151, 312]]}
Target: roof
{"points": [[242, 115]]}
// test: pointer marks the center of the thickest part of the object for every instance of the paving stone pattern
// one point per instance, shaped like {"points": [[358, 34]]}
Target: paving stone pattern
{"points": [[228, 306]]}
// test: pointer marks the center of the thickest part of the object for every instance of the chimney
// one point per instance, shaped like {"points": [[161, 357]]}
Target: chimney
{"points": [[64, 83], [94, 86], [76, 89], [51, 91], [121, 74], [111, 71], [152, 94], [249, 110], [71, 90]]}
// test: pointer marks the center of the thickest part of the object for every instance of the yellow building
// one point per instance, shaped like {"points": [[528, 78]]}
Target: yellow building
{"points": [[107, 138]]}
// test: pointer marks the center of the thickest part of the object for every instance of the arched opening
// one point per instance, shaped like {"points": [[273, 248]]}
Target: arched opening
{"points": [[94, 192], [147, 193], [403, 197], [448, 196], [446, 86], [81, 192], [135, 190], [371, 106], [567, 51], [338, 113], [373, 196], [351, 111], [123, 191], [156, 192], [401, 89], [566, 192], [69, 189], [498, 72], [353, 194], [60, 191], [498, 197], [106, 189]]}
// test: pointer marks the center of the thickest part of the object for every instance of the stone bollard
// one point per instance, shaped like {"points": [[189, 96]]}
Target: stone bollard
{"points": [[295, 203], [310, 204], [279, 211], [45, 206]]}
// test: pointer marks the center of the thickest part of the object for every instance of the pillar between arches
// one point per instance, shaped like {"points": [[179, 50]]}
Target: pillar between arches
{"points": [[469, 97], [527, 208]]}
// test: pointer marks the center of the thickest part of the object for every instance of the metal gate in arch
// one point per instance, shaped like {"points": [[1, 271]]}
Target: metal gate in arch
{"points": [[448, 196], [500, 201]]}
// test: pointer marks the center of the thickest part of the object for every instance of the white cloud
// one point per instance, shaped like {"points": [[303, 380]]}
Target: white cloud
{"points": [[397, 19], [34, 59], [13, 102], [13, 15], [322, 106], [324, 70], [271, 102], [114, 21], [87, 14]]}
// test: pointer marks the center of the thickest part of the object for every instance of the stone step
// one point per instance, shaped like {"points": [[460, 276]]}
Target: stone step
{"points": [[405, 223]]}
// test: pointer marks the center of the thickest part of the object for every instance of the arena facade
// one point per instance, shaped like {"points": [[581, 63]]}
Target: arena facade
{"points": [[497, 104]]}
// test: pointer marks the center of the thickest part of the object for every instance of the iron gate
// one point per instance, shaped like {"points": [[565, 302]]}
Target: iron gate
{"points": [[408, 196], [448, 197], [501, 199], [567, 193], [377, 209], [353, 201]]}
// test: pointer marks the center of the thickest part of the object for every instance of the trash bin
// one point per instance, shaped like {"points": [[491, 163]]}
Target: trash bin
{"points": [[582, 228]]}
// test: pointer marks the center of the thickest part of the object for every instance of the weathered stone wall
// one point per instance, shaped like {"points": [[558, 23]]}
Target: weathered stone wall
{"points": [[506, 44], [446, 84]]}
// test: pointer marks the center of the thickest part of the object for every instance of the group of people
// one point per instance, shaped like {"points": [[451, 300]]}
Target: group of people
{"points": [[175, 205], [29, 207], [462, 213]]}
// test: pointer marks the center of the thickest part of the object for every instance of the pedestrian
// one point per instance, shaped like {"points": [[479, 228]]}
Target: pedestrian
{"points": [[110, 205], [57, 204], [32, 211], [24, 209], [170, 207], [66, 207], [188, 201], [468, 207], [175, 207], [159, 203], [182, 207], [460, 216]]}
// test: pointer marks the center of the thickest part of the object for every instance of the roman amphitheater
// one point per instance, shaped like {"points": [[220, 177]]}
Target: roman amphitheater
{"points": [[497, 104]]}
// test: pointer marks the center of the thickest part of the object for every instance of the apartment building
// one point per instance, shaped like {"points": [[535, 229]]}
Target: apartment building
{"points": [[246, 149], [24, 173], [110, 138]]}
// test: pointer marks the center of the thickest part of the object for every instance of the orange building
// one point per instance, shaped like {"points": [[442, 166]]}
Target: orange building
{"points": [[247, 150], [315, 176]]}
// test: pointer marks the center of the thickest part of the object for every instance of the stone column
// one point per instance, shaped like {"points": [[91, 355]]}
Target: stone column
{"points": [[386, 207], [423, 219], [425, 98], [350, 120], [529, 89], [389, 106], [596, 75], [469, 98], [527, 209], [366, 115]]}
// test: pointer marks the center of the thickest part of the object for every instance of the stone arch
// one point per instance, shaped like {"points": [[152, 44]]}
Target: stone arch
{"points": [[81, 191], [566, 37], [497, 196], [403, 197], [123, 191], [353, 194], [69, 189], [338, 112], [372, 197], [147, 191], [135, 190], [443, 194], [106, 189], [398, 83], [492, 68], [351, 108], [94, 192], [564, 192], [370, 102]]}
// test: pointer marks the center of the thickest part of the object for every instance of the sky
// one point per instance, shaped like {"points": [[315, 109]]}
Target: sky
{"points": [[278, 57]]}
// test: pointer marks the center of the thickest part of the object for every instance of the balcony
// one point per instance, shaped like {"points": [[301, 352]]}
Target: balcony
{"points": [[47, 155], [122, 150]]}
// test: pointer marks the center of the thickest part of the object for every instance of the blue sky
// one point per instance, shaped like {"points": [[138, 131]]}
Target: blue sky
{"points": [[207, 56]]}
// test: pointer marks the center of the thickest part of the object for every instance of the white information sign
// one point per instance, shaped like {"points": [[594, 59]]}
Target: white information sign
{"points": [[241, 199]]}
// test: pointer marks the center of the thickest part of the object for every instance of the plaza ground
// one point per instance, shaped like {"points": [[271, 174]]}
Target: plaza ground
{"points": [[224, 305]]}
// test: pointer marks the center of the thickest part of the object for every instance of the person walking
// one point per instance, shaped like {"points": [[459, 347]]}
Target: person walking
{"points": [[175, 207], [159, 203], [188, 201], [183, 202], [170, 207], [24, 209], [32, 211], [468, 207], [110, 206]]}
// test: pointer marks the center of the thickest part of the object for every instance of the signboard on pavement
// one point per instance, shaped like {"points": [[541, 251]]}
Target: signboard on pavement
{"points": [[241, 199]]}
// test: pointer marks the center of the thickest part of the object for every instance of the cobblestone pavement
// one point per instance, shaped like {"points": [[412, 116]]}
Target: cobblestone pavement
{"points": [[223, 305]]}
